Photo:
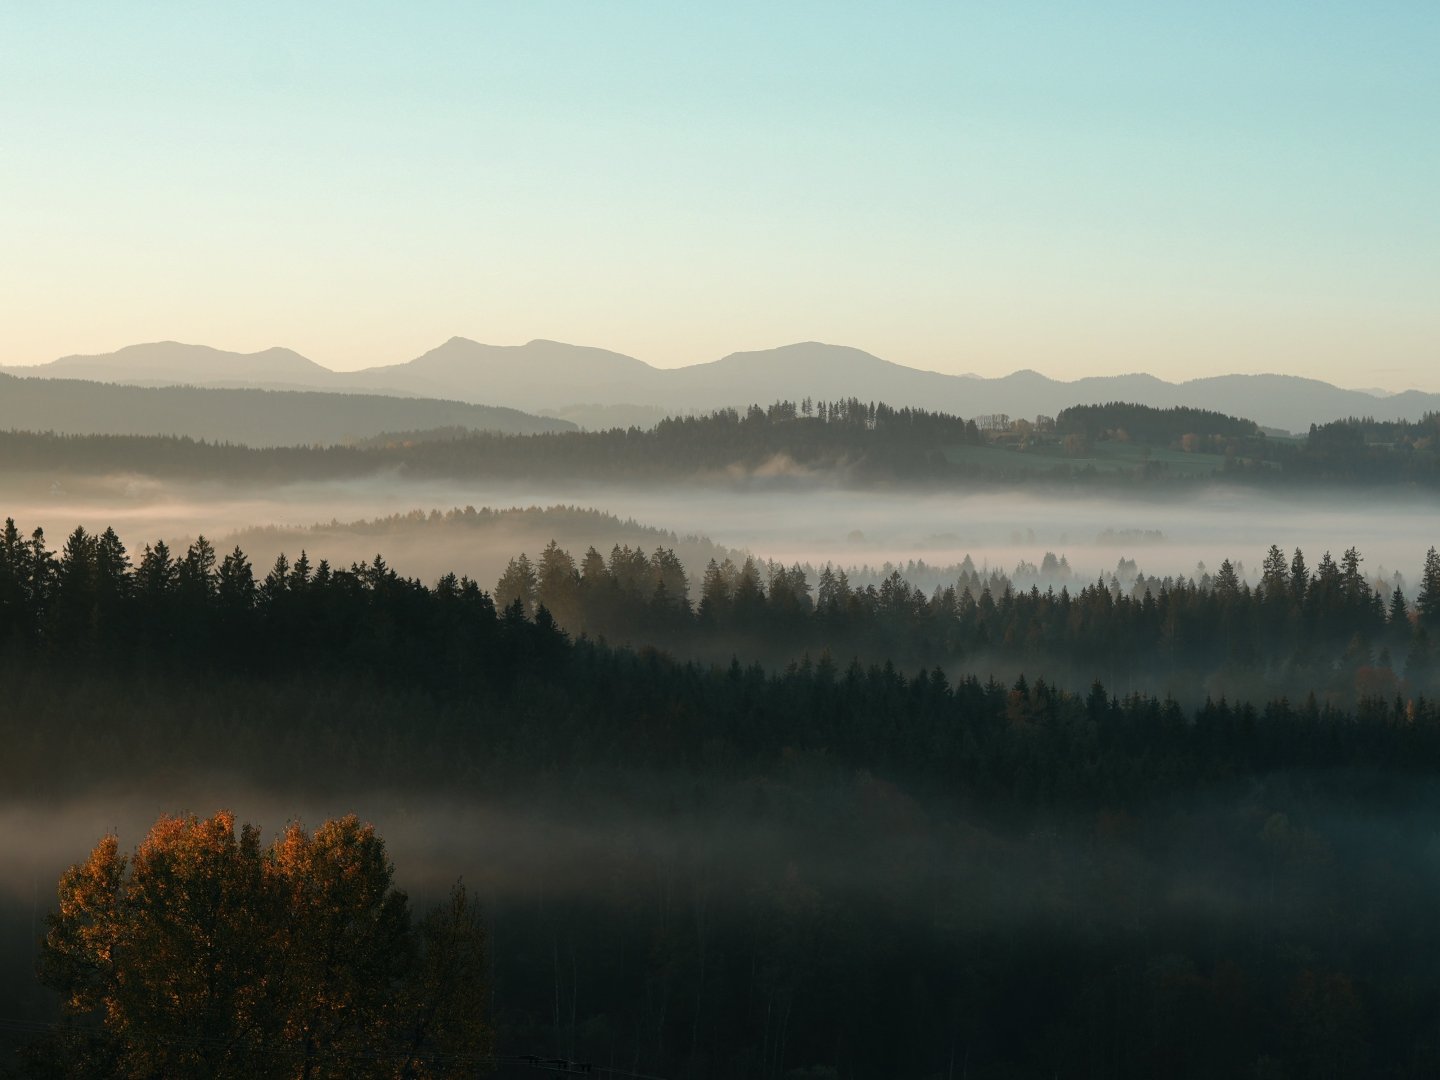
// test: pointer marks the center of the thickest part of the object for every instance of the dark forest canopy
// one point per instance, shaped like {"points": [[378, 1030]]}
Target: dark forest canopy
{"points": [[1010, 876], [1329, 630], [1142, 423], [875, 442], [850, 442]]}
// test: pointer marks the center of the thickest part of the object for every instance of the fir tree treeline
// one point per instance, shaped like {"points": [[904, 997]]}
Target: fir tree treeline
{"points": [[1146, 424], [1369, 451], [868, 440], [198, 614], [1330, 630]]}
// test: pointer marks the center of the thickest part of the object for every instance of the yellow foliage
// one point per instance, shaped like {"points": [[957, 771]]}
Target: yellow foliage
{"points": [[208, 955]]}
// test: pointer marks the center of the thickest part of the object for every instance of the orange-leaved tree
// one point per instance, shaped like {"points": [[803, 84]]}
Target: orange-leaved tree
{"points": [[210, 955]]}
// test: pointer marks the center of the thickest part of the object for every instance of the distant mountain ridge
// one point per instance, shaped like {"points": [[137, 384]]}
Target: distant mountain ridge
{"points": [[596, 387], [254, 417], [172, 360]]}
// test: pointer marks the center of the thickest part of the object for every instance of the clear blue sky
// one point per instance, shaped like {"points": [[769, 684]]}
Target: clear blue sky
{"points": [[1076, 188]]}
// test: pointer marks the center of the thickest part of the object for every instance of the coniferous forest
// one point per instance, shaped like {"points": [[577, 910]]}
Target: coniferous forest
{"points": [[784, 827]]}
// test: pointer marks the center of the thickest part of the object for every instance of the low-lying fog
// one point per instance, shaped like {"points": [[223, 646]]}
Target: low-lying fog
{"points": [[790, 524], [849, 840]]}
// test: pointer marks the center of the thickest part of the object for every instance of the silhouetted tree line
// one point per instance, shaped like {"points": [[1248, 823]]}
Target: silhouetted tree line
{"points": [[1147, 424], [1372, 451], [1048, 879], [862, 442], [1330, 629], [868, 440], [196, 613]]}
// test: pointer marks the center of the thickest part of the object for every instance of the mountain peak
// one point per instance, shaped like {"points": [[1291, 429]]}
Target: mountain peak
{"points": [[177, 361], [801, 353]]}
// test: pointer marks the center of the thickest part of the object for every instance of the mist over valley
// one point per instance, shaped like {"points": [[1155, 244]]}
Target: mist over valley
{"points": [[718, 719], [677, 542]]}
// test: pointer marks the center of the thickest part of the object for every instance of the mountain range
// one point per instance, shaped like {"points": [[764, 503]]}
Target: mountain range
{"points": [[599, 388]]}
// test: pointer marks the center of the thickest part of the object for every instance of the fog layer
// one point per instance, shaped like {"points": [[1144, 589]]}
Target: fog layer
{"points": [[787, 523]]}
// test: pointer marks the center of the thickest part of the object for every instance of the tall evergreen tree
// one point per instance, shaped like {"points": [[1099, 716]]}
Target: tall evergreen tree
{"points": [[1299, 577], [235, 585], [1427, 603], [519, 583], [558, 586]]}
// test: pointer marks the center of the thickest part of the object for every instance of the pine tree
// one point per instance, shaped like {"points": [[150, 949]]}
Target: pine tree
{"points": [[1399, 615], [195, 573], [519, 583], [558, 586], [1427, 603], [1357, 589], [717, 590], [1227, 582], [1275, 575], [12, 593], [236, 583], [1299, 577], [75, 592], [156, 573], [825, 593], [277, 582], [112, 569], [669, 575], [40, 571], [300, 572]]}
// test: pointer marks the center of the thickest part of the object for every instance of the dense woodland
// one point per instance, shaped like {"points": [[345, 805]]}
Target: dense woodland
{"points": [[945, 874], [1329, 631], [850, 441]]}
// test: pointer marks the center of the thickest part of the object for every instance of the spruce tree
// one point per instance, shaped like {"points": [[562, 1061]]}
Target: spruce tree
{"points": [[1427, 604]]}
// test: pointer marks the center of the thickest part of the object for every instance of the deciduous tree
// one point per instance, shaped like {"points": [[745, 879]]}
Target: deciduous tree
{"points": [[208, 955]]}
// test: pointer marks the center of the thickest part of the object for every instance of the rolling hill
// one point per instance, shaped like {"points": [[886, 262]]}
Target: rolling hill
{"points": [[250, 416]]}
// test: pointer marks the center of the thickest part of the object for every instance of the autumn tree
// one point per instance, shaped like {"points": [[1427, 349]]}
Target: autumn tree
{"points": [[208, 955]]}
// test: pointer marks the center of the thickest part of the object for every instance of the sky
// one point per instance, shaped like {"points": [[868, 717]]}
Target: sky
{"points": [[1184, 189]]}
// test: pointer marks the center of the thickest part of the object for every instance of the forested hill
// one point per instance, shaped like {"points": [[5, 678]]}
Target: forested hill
{"points": [[1155, 427], [845, 442], [250, 417], [479, 540]]}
